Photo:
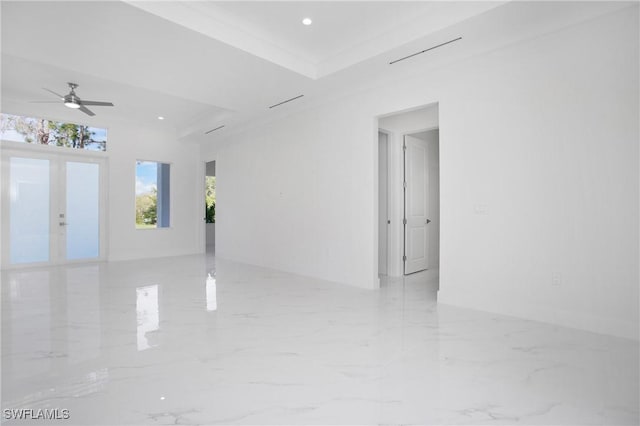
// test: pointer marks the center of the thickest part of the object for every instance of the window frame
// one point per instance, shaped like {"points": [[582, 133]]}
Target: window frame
{"points": [[135, 224]]}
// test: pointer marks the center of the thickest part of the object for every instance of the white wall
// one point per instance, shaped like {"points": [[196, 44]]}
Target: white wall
{"points": [[290, 196], [538, 169], [127, 143], [433, 158], [211, 235]]}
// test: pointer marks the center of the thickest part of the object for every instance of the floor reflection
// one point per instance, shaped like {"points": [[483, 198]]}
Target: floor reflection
{"points": [[83, 313], [77, 387], [28, 316], [212, 300], [148, 315]]}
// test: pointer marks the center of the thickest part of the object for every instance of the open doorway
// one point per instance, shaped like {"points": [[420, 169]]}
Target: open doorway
{"points": [[409, 192], [210, 206]]}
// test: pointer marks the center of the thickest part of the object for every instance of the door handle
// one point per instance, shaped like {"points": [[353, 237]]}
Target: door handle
{"points": [[62, 223], [427, 222]]}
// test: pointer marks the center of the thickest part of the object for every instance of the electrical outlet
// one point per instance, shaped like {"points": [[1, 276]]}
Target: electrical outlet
{"points": [[480, 209], [556, 279]]}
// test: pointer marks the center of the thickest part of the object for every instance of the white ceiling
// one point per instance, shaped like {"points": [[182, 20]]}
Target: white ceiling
{"points": [[133, 103], [205, 64], [342, 34], [336, 26]]}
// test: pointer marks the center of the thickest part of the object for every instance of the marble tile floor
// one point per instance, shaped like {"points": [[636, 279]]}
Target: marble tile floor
{"points": [[194, 340]]}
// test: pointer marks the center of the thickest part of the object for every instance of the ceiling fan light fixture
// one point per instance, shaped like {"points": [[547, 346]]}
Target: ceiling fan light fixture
{"points": [[72, 101], [307, 21]]}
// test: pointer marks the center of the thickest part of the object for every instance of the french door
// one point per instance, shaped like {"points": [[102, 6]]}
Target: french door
{"points": [[52, 208]]}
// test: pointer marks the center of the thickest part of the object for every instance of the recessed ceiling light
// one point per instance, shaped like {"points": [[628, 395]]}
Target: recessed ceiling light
{"points": [[307, 21], [160, 117]]}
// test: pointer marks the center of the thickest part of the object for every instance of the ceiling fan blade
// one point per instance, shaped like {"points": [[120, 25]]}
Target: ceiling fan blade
{"points": [[96, 103], [44, 102], [86, 110], [57, 94]]}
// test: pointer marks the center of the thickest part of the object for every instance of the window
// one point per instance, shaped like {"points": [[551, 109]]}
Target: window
{"points": [[152, 194], [210, 199], [40, 131]]}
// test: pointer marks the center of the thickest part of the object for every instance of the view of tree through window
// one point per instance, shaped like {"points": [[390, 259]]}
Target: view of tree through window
{"points": [[210, 199], [152, 195], [41, 131]]}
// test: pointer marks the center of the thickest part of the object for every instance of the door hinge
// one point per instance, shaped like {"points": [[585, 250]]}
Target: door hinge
{"points": [[404, 147], [404, 258], [404, 184], [404, 221]]}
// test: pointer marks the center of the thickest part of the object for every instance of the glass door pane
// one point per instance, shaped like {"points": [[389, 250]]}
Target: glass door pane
{"points": [[82, 210], [29, 210]]}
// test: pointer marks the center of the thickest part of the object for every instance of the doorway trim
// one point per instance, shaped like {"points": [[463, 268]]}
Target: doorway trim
{"points": [[396, 236], [201, 202], [389, 135], [205, 225]]}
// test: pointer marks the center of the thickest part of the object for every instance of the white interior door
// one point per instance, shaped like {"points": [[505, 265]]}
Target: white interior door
{"points": [[416, 196], [52, 208]]}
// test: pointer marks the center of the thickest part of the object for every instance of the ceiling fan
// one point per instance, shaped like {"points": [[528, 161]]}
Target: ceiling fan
{"points": [[71, 100]]}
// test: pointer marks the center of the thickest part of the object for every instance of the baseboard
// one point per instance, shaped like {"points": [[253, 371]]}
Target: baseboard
{"points": [[281, 268], [545, 314]]}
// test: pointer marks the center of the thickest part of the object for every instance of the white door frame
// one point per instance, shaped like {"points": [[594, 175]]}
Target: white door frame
{"points": [[395, 185], [58, 157], [395, 196], [389, 202]]}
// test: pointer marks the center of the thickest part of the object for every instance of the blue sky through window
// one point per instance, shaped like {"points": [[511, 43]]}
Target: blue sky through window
{"points": [[146, 177]]}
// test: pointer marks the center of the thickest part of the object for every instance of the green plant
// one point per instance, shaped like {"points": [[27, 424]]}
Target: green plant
{"points": [[210, 213], [210, 199], [147, 208]]}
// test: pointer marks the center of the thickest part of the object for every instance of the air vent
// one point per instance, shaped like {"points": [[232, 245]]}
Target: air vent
{"points": [[425, 50], [284, 102], [213, 130]]}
